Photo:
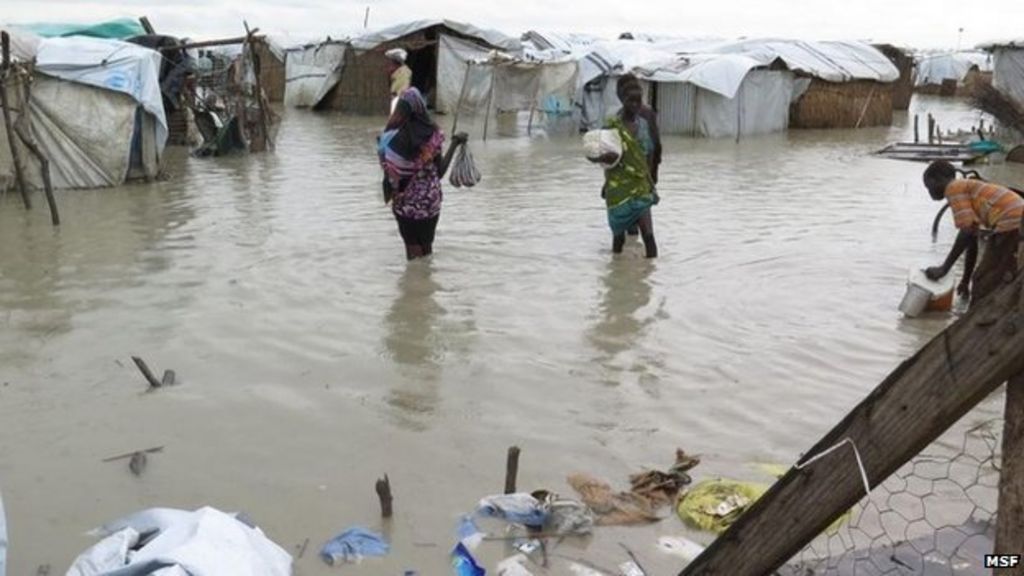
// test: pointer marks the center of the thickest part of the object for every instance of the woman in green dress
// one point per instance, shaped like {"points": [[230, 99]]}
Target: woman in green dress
{"points": [[629, 186]]}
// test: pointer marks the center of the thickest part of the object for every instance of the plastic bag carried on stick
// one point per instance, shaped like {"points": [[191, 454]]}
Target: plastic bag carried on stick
{"points": [[464, 171]]}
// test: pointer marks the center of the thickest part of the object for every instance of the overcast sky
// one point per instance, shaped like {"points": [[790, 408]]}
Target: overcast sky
{"points": [[917, 23]]}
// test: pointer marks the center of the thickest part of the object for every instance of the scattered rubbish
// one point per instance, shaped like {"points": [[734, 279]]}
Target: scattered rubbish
{"points": [[132, 454], [206, 542], [681, 547], [3, 538], [581, 570], [464, 563], [622, 508], [663, 487], [565, 516], [168, 378], [527, 546], [302, 549], [713, 505], [519, 508], [634, 561], [138, 463], [514, 566], [353, 545], [469, 534], [648, 492]]}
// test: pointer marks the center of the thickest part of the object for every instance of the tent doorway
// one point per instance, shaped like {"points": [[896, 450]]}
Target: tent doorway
{"points": [[423, 63]]}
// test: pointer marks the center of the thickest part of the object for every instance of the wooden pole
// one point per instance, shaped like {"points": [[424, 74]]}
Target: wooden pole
{"points": [[5, 75], [867, 103], [511, 469], [44, 168], [211, 43], [533, 107], [146, 373], [490, 100], [1010, 518], [146, 25], [462, 96], [917, 137], [24, 129], [383, 488], [931, 128], [915, 404]]}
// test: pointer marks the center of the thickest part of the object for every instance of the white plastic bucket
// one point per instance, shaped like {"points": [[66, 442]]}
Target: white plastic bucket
{"points": [[915, 300]]}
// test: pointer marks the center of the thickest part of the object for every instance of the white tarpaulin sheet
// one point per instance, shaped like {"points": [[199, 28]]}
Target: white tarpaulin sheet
{"points": [[760, 106], [85, 132], [24, 45], [311, 72], [835, 61], [453, 58], [491, 37], [1008, 73], [109, 64], [936, 68], [206, 542]]}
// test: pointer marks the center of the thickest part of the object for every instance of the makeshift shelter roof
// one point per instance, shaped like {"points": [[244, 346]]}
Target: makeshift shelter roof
{"points": [[24, 45], [997, 44], [492, 38], [112, 29], [934, 68], [564, 42], [832, 61], [109, 64]]}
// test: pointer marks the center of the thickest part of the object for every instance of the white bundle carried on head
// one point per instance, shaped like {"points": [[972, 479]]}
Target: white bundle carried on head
{"points": [[464, 171], [597, 143]]}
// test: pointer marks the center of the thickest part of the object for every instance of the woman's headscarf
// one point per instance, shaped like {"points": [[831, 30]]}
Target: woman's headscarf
{"points": [[411, 139]]}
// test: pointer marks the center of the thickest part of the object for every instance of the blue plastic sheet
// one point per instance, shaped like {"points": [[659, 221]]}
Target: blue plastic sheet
{"points": [[464, 563], [516, 508], [352, 545]]}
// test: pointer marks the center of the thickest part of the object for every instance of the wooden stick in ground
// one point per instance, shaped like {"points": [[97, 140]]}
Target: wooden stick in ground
{"points": [[1010, 519], [146, 25], [153, 382], [511, 469], [168, 379], [5, 75], [912, 407], [383, 488], [916, 134], [44, 167]]}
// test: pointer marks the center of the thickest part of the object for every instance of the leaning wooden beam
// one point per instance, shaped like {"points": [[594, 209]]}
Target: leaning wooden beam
{"points": [[211, 43], [44, 169], [920, 400], [5, 75], [1009, 528]]}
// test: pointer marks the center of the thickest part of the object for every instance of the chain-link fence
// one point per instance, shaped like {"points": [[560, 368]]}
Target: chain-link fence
{"points": [[936, 516]]}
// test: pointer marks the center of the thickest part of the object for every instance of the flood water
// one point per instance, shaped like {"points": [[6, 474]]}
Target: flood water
{"points": [[313, 359]]}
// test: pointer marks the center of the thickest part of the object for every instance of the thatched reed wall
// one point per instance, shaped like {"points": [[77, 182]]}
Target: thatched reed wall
{"points": [[843, 105], [903, 89], [272, 74]]}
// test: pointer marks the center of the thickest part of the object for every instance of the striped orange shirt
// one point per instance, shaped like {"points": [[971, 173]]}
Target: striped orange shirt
{"points": [[976, 203]]}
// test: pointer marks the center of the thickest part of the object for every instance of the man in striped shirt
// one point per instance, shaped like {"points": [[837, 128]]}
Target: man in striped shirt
{"points": [[980, 209]]}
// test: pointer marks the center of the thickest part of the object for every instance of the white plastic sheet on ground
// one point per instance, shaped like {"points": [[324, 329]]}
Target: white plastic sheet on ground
{"points": [[1008, 73], [935, 68], [109, 64], [311, 72], [206, 542]]}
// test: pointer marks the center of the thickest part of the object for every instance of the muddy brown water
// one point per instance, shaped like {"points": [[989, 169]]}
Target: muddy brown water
{"points": [[313, 359]]}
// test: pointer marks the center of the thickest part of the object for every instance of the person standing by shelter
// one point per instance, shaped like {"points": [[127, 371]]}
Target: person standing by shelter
{"points": [[980, 209], [410, 152], [399, 74], [629, 185]]}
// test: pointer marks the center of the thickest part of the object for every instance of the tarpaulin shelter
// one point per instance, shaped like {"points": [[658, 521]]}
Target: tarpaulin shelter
{"points": [[312, 71], [362, 82], [119, 29], [95, 110], [707, 87], [1008, 67], [947, 73]]}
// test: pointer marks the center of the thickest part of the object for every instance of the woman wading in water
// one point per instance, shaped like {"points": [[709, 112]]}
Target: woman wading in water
{"points": [[410, 153], [629, 184]]}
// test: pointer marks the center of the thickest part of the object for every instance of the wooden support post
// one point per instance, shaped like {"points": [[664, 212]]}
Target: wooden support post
{"points": [[462, 96], [912, 407], [44, 167], [533, 108], [146, 25], [490, 100], [511, 469], [931, 128], [146, 373], [917, 136], [1010, 518], [5, 75], [383, 488]]}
